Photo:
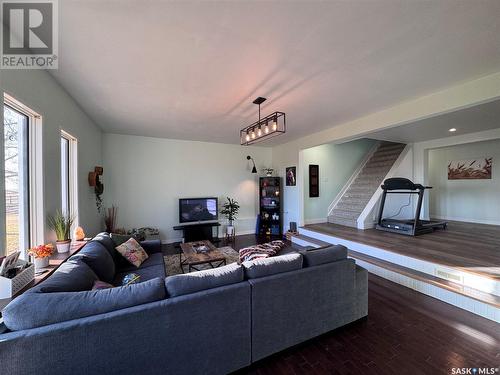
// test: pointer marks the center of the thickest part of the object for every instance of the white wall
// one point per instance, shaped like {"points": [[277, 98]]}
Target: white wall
{"points": [[39, 91], [465, 200], [145, 177], [337, 163]]}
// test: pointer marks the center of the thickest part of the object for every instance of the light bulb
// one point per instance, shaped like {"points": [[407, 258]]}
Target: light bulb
{"points": [[247, 137], [253, 134], [275, 124], [259, 131], [266, 128]]}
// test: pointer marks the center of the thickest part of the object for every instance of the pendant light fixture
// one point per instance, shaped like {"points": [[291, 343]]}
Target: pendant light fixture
{"points": [[267, 127]]}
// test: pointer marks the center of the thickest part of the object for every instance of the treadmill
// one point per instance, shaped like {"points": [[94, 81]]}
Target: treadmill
{"points": [[409, 227]]}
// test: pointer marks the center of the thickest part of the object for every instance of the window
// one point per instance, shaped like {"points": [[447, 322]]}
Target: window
{"points": [[21, 197], [69, 188], [65, 204], [16, 179]]}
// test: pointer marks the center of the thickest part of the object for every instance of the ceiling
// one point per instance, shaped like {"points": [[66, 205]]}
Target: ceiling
{"points": [[190, 69], [470, 120]]}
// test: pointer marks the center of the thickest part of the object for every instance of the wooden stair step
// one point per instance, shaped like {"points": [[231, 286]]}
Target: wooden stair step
{"points": [[311, 240]]}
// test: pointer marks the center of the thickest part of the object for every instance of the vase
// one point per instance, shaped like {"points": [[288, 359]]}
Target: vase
{"points": [[63, 246], [230, 230], [41, 263]]}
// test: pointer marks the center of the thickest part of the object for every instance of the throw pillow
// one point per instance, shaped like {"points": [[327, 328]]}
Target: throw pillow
{"points": [[98, 284], [261, 251], [133, 252]]}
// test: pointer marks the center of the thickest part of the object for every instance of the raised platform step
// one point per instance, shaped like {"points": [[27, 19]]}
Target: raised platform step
{"points": [[475, 294], [469, 291], [306, 241]]}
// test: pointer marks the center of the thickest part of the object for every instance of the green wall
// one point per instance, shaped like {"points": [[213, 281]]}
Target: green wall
{"points": [[337, 163]]}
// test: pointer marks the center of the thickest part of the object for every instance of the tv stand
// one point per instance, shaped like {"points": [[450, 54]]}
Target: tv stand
{"points": [[199, 231]]}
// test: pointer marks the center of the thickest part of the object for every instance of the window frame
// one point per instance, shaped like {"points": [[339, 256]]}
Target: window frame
{"points": [[36, 217], [72, 175]]}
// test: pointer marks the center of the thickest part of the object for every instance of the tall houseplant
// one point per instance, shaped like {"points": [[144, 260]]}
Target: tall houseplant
{"points": [[230, 210], [61, 224]]}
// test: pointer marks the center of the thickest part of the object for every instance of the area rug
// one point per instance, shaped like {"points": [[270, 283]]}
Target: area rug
{"points": [[172, 266]]}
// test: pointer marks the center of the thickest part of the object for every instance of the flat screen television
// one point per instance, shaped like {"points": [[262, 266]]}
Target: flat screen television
{"points": [[194, 210]]}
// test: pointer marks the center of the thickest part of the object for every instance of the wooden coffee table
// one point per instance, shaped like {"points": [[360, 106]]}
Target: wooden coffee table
{"points": [[195, 255]]}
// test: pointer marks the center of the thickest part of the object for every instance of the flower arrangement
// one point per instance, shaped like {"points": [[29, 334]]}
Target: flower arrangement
{"points": [[41, 251]]}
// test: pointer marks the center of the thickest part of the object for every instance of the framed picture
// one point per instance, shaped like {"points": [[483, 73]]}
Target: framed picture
{"points": [[313, 181], [472, 169], [291, 173]]}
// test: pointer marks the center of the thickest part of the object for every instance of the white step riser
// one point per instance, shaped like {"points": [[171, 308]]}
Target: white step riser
{"points": [[476, 307], [474, 281], [445, 295]]}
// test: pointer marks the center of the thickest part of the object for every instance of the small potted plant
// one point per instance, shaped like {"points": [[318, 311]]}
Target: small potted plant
{"points": [[230, 211], [61, 224], [40, 255]]}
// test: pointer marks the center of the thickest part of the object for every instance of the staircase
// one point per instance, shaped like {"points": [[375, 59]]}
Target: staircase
{"points": [[358, 194]]}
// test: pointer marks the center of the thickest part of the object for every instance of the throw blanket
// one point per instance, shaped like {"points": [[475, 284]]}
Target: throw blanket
{"points": [[261, 251]]}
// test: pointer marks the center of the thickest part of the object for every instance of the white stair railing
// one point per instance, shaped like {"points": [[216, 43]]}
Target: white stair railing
{"points": [[363, 217], [356, 173]]}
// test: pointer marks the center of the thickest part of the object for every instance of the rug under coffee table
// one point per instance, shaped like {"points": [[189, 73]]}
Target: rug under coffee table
{"points": [[172, 266], [200, 253]]}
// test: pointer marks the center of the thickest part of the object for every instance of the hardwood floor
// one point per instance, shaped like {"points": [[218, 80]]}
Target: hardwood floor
{"points": [[406, 332], [471, 247]]}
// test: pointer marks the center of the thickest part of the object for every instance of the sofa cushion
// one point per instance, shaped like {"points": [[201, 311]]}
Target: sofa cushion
{"points": [[146, 273], [133, 252], [71, 276], [178, 285], [97, 257], [270, 266], [153, 260], [328, 254], [32, 310], [108, 243]]}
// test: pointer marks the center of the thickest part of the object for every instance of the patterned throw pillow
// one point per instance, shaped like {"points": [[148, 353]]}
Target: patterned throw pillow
{"points": [[265, 250], [133, 252], [131, 278]]}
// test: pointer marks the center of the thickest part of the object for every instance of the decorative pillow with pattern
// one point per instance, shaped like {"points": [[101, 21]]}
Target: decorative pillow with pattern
{"points": [[261, 251], [133, 252]]}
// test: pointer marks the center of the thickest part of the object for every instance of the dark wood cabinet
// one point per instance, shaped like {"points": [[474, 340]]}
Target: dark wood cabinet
{"points": [[270, 216]]}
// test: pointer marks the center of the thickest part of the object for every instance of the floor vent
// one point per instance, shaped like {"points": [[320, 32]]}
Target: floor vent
{"points": [[450, 276]]}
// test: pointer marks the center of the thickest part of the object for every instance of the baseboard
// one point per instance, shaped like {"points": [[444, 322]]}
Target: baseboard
{"points": [[466, 220]]}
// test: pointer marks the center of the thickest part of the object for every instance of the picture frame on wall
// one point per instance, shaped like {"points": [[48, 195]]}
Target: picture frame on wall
{"points": [[313, 180], [472, 169], [291, 176]]}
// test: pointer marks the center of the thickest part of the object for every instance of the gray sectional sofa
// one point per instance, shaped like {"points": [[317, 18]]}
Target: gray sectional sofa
{"points": [[208, 322]]}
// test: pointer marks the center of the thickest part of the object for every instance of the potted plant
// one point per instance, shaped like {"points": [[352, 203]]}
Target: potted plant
{"points": [[230, 211], [61, 224], [40, 255]]}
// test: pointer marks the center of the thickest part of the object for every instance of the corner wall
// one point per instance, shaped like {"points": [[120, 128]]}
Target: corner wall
{"points": [[38, 90], [337, 163], [475, 201], [145, 177]]}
